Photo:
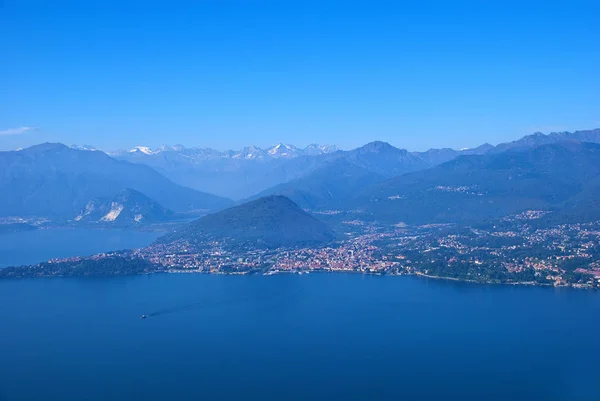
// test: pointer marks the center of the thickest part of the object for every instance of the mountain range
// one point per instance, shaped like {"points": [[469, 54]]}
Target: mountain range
{"points": [[329, 186], [245, 173], [562, 177], [231, 174], [343, 175], [280, 150], [555, 172], [55, 181], [538, 139]]}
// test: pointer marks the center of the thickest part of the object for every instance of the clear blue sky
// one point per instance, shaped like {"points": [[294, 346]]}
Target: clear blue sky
{"points": [[230, 73]]}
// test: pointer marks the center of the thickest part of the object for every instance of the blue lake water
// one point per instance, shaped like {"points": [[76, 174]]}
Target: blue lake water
{"points": [[30, 247], [290, 337]]}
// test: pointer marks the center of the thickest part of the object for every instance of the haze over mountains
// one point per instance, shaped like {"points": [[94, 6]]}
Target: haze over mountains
{"points": [[242, 174], [326, 187], [280, 150], [232, 174], [474, 188], [556, 172], [57, 182], [347, 175]]}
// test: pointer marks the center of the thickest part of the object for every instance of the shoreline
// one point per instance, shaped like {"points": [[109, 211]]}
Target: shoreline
{"points": [[419, 275], [304, 272]]}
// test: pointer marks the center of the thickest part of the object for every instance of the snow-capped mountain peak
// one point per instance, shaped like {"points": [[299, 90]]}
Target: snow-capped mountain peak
{"points": [[316, 149], [198, 154], [142, 149], [249, 153], [84, 147], [283, 150], [169, 148], [328, 148]]}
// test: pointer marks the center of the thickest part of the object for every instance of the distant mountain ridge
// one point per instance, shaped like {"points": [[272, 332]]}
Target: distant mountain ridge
{"points": [[549, 177], [341, 175], [199, 154], [434, 155], [539, 139], [232, 174], [541, 171], [252, 171], [55, 181], [245, 173]]}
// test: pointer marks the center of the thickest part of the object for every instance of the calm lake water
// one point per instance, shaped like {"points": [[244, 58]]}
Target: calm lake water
{"points": [[30, 247], [290, 337]]}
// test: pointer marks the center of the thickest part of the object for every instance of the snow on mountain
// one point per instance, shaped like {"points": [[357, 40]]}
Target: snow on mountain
{"points": [[283, 150], [143, 149], [168, 148], [316, 149], [250, 152], [247, 153], [84, 147], [328, 148]]}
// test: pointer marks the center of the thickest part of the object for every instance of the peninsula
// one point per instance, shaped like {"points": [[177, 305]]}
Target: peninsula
{"points": [[273, 235]]}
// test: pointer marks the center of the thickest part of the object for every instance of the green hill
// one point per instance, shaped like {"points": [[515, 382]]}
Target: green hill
{"points": [[269, 222]]}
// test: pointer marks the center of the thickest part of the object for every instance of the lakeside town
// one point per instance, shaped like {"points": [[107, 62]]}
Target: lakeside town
{"points": [[564, 255], [513, 250]]}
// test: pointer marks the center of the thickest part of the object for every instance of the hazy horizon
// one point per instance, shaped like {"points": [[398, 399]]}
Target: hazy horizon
{"points": [[225, 76], [301, 146]]}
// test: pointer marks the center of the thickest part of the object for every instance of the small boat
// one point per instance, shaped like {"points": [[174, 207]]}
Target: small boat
{"points": [[144, 317]]}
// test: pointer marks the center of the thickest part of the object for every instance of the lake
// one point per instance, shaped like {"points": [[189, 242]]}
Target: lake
{"points": [[31, 247], [291, 337]]}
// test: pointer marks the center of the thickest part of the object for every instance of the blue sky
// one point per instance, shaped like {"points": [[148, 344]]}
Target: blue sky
{"points": [[226, 74]]}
